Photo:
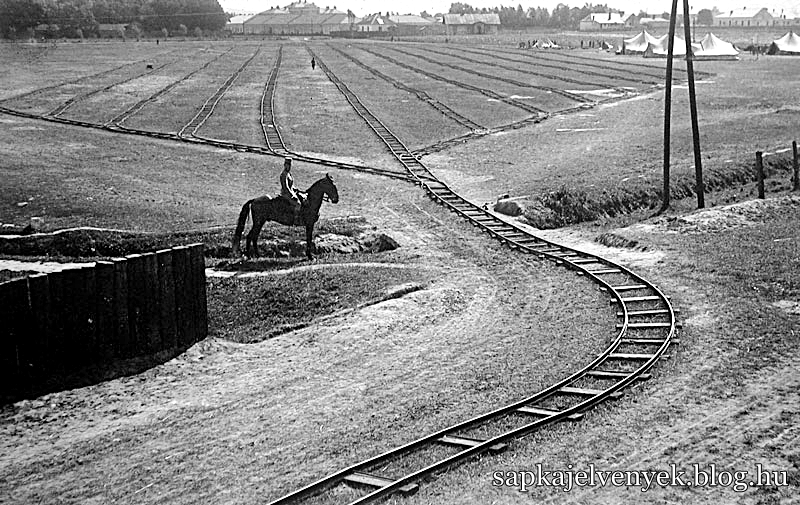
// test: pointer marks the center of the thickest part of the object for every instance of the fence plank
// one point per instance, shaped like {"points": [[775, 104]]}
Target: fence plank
{"points": [[105, 325], [152, 298], [57, 363], [180, 266], [39, 296], [197, 261], [166, 280], [13, 313], [136, 304], [122, 330]]}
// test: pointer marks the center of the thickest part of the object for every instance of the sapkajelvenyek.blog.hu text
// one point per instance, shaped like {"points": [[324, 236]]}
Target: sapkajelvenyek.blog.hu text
{"points": [[695, 476]]}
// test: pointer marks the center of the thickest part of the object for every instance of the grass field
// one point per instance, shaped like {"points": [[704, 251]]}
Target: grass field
{"points": [[360, 370]]}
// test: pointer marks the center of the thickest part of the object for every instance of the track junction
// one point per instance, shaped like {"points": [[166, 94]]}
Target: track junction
{"points": [[646, 320]]}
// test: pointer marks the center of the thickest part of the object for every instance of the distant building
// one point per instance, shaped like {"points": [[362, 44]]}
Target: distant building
{"points": [[745, 17], [376, 23], [298, 18], [416, 25], [471, 24], [599, 21], [236, 23]]}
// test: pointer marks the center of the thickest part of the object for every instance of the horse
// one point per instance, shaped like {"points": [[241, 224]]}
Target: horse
{"points": [[282, 210]]}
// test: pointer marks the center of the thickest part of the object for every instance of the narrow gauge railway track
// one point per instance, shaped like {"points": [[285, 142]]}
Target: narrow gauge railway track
{"points": [[208, 107], [411, 163], [274, 139], [528, 71], [538, 113], [619, 66], [646, 328], [549, 89], [421, 95], [77, 80], [78, 98], [138, 106], [558, 66]]}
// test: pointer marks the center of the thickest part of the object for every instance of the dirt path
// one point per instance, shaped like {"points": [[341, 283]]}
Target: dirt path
{"points": [[238, 423]]}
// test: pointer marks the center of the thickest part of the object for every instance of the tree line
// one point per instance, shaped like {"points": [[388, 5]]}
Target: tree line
{"points": [[83, 18]]}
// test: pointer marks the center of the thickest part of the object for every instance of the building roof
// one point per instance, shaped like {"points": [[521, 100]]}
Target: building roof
{"points": [[409, 19], [471, 19], [376, 19], [236, 20], [742, 13]]}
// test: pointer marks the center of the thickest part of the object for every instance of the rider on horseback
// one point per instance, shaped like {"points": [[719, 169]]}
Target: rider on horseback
{"points": [[288, 190]]}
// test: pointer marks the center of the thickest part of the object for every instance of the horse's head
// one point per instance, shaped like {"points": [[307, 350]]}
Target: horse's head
{"points": [[330, 189]]}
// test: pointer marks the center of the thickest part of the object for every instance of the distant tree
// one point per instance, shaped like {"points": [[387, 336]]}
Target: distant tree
{"points": [[461, 8], [164, 33], [79, 34], [424, 14], [182, 30], [198, 32], [705, 17], [20, 15]]}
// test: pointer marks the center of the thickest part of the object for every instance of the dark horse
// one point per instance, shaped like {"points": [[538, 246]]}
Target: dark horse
{"points": [[282, 210]]}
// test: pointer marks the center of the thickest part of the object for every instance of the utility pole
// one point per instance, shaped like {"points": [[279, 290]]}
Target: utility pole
{"points": [[699, 187], [668, 104], [698, 163]]}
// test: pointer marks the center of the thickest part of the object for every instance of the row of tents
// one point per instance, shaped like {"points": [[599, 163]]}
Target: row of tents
{"points": [[710, 47]]}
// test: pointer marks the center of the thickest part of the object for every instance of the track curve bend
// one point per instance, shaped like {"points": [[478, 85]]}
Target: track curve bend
{"points": [[646, 328]]}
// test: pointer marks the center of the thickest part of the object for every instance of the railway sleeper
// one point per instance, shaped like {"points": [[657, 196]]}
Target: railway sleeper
{"points": [[649, 298], [375, 481], [542, 412], [635, 356], [648, 341], [587, 392], [613, 374], [629, 287], [658, 324], [651, 312], [470, 442]]}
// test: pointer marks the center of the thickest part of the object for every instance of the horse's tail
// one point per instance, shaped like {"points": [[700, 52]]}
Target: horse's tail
{"points": [[237, 235]]}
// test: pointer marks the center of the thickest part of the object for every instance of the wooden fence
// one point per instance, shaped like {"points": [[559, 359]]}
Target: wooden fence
{"points": [[78, 326]]}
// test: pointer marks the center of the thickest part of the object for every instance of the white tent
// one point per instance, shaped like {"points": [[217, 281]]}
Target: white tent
{"points": [[546, 44], [788, 44], [660, 48], [714, 48], [638, 44]]}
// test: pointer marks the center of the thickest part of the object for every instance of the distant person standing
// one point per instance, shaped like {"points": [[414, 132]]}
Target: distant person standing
{"points": [[313, 63]]}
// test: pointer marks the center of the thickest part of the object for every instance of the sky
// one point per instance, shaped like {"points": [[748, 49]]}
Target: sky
{"points": [[364, 7]]}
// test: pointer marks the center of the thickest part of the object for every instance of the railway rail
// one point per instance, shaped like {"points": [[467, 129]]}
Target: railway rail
{"points": [[547, 89], [542, 63], [646, 320], [646, 324], [528, 71]]}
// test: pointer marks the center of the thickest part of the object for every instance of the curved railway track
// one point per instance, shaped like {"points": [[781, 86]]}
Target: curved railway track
{"points": [[646, 321], [208, 107], [135, 108], [646, 328]]}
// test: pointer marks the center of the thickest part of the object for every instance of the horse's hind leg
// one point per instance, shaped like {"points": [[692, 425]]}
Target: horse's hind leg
{"points": [[252, 237]]}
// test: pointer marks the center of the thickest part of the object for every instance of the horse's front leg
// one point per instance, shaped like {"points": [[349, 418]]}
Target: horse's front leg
{"points": [[310, 242]]}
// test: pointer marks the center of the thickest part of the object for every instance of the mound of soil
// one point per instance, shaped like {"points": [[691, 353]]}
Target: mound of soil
{"points": [[343, 235]]}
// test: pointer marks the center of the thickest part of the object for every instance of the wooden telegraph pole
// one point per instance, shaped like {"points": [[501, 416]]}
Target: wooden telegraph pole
{"points": [[699, 187], [698, 163], [668, 103]]}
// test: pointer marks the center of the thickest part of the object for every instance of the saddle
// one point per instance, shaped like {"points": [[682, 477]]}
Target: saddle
{"points": [[293, 207]]}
